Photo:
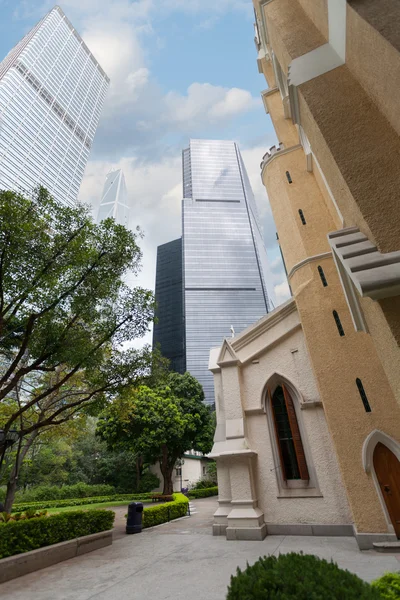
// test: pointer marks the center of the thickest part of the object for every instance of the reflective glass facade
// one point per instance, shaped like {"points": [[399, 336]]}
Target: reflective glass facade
{"points": [[169, 330], [114, 199], [223, 252], [51, 94]]}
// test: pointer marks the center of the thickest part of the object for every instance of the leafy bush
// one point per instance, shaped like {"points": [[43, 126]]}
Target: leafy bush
{"points": [[300, 577], [148, 482], [203, 484], [203, 493], [54, 492], [21, 536], [80, 501], [161, 513], [388, 586], [28, 514]]}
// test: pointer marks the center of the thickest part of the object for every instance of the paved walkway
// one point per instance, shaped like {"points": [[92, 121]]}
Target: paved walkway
{"points": [[177, 561]]}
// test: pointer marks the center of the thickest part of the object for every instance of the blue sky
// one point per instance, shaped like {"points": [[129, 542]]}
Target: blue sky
{"points": [[178, 69]]}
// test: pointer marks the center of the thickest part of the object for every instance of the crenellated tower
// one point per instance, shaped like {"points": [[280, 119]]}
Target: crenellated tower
{"points": [[314, 223]]}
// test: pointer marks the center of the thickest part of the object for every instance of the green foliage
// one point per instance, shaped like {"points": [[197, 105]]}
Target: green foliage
{"points": [[148, 482], [5, 517], [161, 513], [160, 423], [203, 492], [30, 513], [204, 484], [300, 577], [21, 536], [388, 586], [212, 472], [54, 492], [65, 310], [80, 501]]}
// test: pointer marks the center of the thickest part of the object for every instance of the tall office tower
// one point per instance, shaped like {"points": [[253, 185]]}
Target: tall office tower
{"points": [[169, 330], [114, 200], [52, 90], [224, 255]]}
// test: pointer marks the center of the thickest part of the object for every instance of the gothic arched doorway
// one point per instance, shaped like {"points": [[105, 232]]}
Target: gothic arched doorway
{"points": [[387, 469]]}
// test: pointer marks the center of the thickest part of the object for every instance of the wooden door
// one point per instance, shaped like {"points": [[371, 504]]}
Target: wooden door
{"points": [[387, 469]]}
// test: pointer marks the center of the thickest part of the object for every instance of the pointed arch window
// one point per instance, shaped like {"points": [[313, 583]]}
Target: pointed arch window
{"points": [[288, 438]]}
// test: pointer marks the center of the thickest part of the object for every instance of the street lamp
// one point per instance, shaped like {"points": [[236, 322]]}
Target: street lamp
{"points": [[179, 463], [7, 439]]}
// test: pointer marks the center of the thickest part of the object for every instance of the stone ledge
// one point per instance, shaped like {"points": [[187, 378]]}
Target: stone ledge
{"points": [[312, 530], [366, 541], [387, 546], [34, 560], [247, 533]]}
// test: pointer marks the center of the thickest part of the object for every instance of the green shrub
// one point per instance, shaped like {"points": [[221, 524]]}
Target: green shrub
{"points": [[21, 536], [148, 482], [203, 484], [54, 492], [388, 586], [79, 501], [203, 493], [300, 577], [161, 513]]}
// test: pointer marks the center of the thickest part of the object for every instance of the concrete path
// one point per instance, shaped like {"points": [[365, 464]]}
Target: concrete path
{"points": [[177, 561]]}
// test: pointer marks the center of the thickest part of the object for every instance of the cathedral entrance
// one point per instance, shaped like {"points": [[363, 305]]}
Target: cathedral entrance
{"points": [[387, 469]]}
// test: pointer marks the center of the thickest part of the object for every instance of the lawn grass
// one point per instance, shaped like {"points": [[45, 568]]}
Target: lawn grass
{"points": [[53, 511]]}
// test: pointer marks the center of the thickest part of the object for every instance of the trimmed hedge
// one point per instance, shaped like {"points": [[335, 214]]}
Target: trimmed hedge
{"points": [[79, 501], [203, 493], [388, 586], [298, 577], [44, 493], [161, 513], [21, 536]]}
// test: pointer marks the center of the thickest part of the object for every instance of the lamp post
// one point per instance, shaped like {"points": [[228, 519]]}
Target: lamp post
{"points": [[7, 439], [180, 462]]}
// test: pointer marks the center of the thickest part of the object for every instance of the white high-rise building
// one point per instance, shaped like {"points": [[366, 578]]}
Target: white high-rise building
{"points": [[114, 199], [52, 90], [225, 266]]}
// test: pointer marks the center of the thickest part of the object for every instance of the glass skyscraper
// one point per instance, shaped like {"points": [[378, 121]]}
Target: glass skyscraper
{"points": [[224, 257], [52, 91], [169, 332], [114, 199]]}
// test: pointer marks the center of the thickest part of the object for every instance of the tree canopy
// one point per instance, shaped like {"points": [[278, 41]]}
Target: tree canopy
{"points": [[161, 423], [66, 315], [65, 310]]}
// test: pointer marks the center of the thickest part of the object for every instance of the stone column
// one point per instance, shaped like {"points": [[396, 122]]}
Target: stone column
{"points": [[245, 519], [224, 498]]}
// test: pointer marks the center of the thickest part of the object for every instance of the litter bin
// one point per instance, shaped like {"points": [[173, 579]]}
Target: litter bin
{"points": [[134, 519]]}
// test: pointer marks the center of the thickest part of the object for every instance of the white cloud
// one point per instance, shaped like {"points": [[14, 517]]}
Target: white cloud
{"points": [[205, 104], [282, 292]]}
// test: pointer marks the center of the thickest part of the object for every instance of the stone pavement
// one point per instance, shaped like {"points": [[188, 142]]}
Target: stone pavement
{"points": [[179, 560]]}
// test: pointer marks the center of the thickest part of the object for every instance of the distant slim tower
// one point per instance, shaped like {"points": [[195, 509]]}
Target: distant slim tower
{"points": [[169, 332], [224, 257], [114, 200], [52, 91]]}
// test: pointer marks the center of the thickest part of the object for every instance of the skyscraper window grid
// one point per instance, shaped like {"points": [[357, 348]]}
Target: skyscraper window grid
{"points": [[51, 93], [224, 276]]}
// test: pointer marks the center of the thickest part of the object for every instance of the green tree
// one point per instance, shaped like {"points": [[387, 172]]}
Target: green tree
{"points": [[160, 423], [65, 313]]}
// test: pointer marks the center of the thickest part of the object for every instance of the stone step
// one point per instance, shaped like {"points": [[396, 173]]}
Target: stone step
{"points": [[387, 546]]}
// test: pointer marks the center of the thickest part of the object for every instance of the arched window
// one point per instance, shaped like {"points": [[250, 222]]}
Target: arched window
{"points": [[288, 438]]}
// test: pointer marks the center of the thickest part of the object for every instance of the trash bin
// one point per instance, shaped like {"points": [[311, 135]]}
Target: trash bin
{"points": [[134, 519]]}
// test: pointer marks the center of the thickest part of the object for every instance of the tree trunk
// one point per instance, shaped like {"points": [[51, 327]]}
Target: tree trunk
{"points": [[166, 469], [13, 479], [139, 464]]}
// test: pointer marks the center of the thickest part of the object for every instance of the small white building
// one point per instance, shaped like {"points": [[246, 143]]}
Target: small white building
{"points": [[276, 464], [194, 468]]}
